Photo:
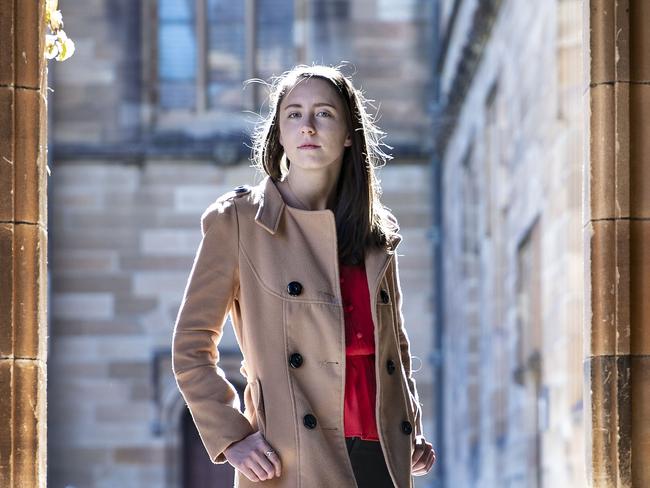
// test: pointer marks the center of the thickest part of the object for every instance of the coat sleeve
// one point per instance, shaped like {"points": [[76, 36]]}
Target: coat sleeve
{"points": [[209, 293], [405, 352]]}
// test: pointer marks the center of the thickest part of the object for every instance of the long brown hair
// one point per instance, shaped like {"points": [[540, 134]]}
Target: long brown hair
{"points": [[361, 219]]}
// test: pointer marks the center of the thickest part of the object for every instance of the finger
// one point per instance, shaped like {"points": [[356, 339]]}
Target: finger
{"points": [[418, 473], [277, 464], [420, 470], [418, 459], [265, 464], [246, 471], [417, 455], [425, 465], [273, 458], [432, 459], [254, 466], [422, 459]]}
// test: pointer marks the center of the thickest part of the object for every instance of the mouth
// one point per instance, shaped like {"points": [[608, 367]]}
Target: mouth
{"points": [[308, 146]]}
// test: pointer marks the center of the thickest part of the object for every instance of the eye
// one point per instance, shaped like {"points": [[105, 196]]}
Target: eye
{"points": [[291, 115], [325, 114]]}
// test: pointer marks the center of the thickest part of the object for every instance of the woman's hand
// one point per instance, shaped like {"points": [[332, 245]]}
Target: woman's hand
{"points": [[423, 457], [248, 456]]}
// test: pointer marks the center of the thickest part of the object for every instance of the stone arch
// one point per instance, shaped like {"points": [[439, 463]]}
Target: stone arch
{"points": [[173, 407], [172, 412]]}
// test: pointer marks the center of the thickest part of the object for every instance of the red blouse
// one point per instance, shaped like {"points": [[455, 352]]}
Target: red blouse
{"points": [[360, 381]]}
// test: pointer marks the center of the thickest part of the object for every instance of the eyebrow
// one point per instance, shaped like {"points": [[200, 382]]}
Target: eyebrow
{"points": [[320, 104]]}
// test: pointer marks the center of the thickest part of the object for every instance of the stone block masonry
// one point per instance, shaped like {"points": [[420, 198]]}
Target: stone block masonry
{"points": [[23, 245]]}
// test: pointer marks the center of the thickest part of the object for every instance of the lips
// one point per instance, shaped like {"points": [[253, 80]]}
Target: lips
{"points": [[308, 146]]}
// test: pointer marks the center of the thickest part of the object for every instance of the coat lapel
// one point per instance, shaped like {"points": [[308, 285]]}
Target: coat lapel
{"points": [[268, 215], [270, 205], [377, 261]]}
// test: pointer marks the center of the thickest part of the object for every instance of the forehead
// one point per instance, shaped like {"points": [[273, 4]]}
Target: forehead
{"points": [[310, 91]]}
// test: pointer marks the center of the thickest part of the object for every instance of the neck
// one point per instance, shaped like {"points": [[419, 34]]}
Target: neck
{"points": [[309, 190]]}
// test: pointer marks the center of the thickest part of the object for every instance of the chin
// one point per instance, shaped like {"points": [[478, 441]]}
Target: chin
{"points": [[313, 161], [312, 164]]}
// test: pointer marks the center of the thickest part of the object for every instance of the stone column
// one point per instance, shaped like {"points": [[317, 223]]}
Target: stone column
{"points": [[617, 240], [23, 244]]}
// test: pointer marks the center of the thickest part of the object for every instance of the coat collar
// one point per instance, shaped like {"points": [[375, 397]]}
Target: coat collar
{"points": [[270, 206]]}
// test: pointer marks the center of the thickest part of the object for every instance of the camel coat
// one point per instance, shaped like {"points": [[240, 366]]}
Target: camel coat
{"points": [[274, 269]]}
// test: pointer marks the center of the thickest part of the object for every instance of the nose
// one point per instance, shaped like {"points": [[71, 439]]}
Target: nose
{"points": [[308, 127]]}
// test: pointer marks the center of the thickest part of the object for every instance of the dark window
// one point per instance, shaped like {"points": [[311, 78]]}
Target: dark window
{"points": [[177, 53], [198, 470], [226, 54], [203, 51], [274, 37]]}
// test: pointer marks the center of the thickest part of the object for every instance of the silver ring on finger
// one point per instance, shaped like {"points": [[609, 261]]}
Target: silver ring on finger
{"points": [[269, 452]]}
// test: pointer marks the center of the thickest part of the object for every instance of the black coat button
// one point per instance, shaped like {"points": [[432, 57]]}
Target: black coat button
{"points": [[384, 296], [295, 360], [294, 288], [310, 421], [390, 366], [406, 427]]}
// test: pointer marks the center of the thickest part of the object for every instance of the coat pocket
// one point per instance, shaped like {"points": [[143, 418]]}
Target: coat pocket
{"points": [[258, 403]]}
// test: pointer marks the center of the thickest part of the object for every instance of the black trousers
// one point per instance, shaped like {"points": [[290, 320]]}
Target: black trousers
{"points": [[368, 463]]}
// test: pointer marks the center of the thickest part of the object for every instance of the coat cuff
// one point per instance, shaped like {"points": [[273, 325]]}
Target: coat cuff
{"points": [[216, 451]]}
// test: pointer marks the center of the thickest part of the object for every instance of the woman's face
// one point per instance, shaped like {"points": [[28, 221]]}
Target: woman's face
{"points": [[313, 131]]}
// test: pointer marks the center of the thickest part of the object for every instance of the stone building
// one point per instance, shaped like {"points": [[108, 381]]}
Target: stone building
{"points": [[505, 387], [509, 143], [149, 124]]}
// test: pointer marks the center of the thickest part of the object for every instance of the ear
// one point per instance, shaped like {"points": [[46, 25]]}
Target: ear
{"points": [[280, 139], [348, 141]]}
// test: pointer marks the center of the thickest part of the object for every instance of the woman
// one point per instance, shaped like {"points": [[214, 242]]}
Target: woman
{"points": [[305, 265]]}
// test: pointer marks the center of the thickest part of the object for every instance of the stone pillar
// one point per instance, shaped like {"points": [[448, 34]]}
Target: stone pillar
{"points": [[617, 240], [23, 244]]}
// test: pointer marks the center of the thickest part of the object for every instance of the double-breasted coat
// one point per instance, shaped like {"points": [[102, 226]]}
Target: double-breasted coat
{"points": [[274, 269]]}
